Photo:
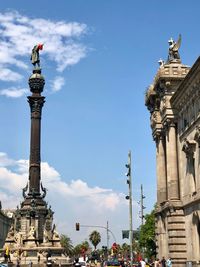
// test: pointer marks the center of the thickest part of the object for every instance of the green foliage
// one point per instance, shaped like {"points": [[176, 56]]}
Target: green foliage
{"points": [[66, 243], [85, 245], [147, 236], [95, 238], [77, 250]]}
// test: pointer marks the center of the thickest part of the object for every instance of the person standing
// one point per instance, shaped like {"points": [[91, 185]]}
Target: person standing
{"points": [[163, 262], [156, 263], [142, 263], [169, 262]]}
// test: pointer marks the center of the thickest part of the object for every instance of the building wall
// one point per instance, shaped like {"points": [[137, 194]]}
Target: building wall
{"points": [[174, 104]]}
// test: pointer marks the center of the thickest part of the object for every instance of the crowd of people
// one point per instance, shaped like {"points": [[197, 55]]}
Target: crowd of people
{"points": [[122, 263], [156, 263]]}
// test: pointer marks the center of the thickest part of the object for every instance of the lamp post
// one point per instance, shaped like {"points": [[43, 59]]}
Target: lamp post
{"points": [[129, 197]]}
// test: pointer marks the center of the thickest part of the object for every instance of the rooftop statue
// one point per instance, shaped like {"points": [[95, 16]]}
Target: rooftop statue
{"points": [[173, 49], [35, 56]]}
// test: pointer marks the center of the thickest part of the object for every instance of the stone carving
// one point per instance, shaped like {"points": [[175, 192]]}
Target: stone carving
{"points": [[161, 62], [36, 105], [18, 238], [197, 135], [46, 236], [55, 235], [24, 191], [31, 234], [173, 49], [44, 190], [189, 148]]}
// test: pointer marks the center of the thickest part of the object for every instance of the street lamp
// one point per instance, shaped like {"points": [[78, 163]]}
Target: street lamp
{"points": [[129, 197]]}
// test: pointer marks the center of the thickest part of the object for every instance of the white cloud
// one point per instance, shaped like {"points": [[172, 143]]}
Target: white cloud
{"points": [[9, 75], [13, 92], [18, 35], [5, 160], [72, 201], [58, 83], [14, 179], [61, 39]]}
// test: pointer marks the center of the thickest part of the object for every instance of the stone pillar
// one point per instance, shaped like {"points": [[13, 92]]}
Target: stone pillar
{"points": [[172, 162], [36, 101], [161, 170]]}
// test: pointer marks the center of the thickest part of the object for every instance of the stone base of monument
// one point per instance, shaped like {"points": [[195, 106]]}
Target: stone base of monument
{"points": [[38, 256]]}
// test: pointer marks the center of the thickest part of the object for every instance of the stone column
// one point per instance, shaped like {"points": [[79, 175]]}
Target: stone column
{"points": [[36, 101], [161, 170], [172, 162]]}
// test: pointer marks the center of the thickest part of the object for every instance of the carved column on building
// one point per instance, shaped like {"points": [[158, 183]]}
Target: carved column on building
{"points": [[172, 161], [161, 168]]}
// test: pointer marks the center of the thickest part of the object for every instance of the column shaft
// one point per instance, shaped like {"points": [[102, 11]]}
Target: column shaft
{"points": [[161, 171], [172, 164], [36, 103]]}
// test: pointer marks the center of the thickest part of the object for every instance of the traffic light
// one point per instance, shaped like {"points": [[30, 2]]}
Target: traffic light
{"points": [[77, 226], [128, 166]]}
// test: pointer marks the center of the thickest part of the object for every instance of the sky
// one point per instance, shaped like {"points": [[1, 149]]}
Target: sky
{"points": [[99, 57]]}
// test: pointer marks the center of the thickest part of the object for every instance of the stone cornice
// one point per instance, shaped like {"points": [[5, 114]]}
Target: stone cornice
{"points": [[168, 206], [166, 81], [191, 78]]}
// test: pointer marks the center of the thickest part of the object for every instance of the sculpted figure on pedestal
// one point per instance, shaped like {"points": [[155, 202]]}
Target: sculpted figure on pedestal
{"points": [[173, 49], [35, 56], [31, 234]]}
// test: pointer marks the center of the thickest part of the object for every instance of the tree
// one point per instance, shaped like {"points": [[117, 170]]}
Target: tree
{"points": [[85, 245], [147, 235], [95, 238], [77, 250], [66, 243]]}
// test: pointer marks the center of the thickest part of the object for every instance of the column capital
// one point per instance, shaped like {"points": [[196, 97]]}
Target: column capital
{"points": [[169, 122], [36, 103], [158, 135]]}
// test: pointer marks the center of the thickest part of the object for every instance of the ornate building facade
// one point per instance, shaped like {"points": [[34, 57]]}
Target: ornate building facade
{"points": [[173, 100]]}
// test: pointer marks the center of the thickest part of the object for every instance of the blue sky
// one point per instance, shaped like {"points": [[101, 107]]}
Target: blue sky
{"points": [[98, 59]]}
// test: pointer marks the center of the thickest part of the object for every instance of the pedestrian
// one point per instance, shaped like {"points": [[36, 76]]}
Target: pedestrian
{"points": [[142, 263], [18, 263], [169, 262], [156, 263], [5, 257], [30, 264], [77, 263], [163, 262]]}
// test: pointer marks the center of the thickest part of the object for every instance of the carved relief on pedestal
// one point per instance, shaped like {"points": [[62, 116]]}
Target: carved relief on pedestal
{"points": [[31, 233]]}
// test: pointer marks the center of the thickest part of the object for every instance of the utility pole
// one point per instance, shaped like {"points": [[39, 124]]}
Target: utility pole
{"points": [[142, 206], [129, 197]]}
